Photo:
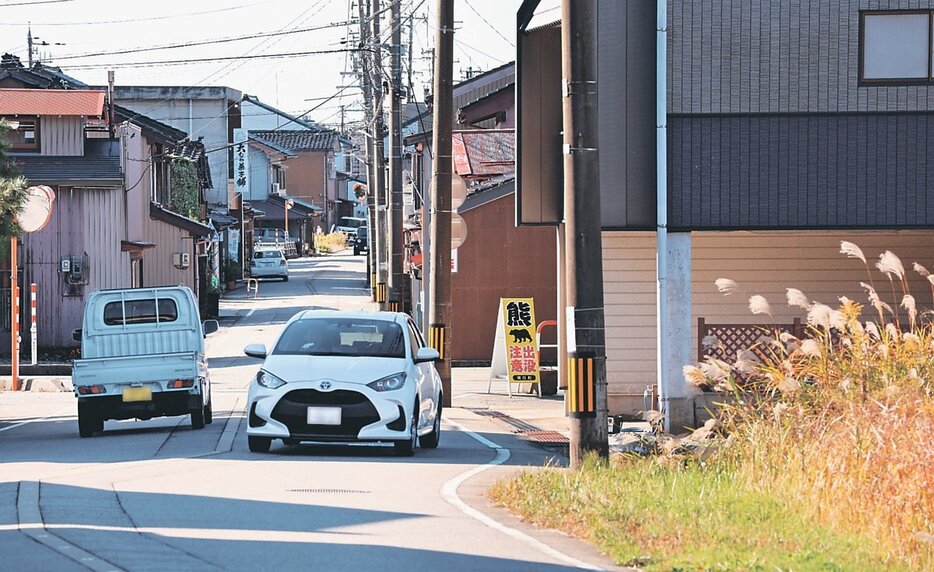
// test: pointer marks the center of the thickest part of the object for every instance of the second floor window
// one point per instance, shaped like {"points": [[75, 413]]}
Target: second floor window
{"points": [[26, 135], [896, 47]]}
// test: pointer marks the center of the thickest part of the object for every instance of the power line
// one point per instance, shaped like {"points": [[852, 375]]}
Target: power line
{"points": [[33, 3], [201, 43], [129, 20], [207, 60], [489, 25]]}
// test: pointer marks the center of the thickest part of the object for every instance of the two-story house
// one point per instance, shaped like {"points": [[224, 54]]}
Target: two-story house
{"points": [[790, 126]]}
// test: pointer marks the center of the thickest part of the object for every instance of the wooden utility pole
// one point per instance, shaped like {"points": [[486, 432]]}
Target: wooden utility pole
{"points": [[379, 187], [586, 394], [439, 330], [397, 244], [368, 107]]}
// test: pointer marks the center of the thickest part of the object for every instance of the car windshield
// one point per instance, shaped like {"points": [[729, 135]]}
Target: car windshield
{"points": [[266, 254], [352, 337], [352, 222]]}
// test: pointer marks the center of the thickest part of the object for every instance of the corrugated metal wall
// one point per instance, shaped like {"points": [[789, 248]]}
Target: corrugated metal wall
{"points": [[62, 136], [158, 269]]}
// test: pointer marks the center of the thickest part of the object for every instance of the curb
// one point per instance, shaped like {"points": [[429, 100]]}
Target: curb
{"points": [[38, 384]]}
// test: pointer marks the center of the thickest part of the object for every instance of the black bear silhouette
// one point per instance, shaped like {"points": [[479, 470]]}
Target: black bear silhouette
{"points": [[520, 336]]}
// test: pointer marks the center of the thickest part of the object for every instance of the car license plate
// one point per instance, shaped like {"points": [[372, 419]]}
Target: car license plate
{"points": [[137, 394], [324, 415]]}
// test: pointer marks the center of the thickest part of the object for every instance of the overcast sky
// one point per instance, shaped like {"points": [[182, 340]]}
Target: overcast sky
{"points": [[484, 39]]}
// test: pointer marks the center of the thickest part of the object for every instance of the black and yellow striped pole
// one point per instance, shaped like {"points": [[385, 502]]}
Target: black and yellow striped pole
{"points": [[581, 398], [373, 287], [395, 306], [436, 335], [381, 293]]}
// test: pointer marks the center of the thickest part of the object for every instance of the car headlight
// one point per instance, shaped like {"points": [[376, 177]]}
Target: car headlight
{"points": [[388, 383], [269, 380]]}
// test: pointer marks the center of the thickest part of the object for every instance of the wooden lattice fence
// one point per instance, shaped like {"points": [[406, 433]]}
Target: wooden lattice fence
{"points": [[732, 338]]}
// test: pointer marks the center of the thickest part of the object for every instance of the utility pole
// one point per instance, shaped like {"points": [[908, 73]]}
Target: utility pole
{"points": [[29, 45], [396, 241], [586, 395], [411, 84], [382, 226], [368, 106], [439, 330]]}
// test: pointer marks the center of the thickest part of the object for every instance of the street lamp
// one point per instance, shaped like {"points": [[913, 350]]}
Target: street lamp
{"points": [[289, 203]]}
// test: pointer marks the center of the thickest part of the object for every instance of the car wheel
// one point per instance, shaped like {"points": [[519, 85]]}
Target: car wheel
{"points": [[208, 414], [356, 252], [285, 278], [431, 440], [407, 448], [259, 444], [197, 418], [89, 422]]}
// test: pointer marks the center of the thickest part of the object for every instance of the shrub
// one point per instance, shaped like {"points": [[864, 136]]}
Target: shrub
{"points": [[333, 242], [840, 420]]}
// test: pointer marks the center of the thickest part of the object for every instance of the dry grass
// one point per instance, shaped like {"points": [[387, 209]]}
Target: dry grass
{"points": [[841, 423], [333, 242]]}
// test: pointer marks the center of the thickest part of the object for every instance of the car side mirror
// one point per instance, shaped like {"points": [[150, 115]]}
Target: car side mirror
{"points": [[255, 350], [76, 335], [210, 326], [426, 354]]}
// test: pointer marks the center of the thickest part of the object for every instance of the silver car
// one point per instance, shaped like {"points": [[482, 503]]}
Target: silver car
{"points": [[269, 263]]}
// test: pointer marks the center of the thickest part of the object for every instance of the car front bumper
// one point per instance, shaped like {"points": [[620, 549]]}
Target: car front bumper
{"points": [[365, 414]]}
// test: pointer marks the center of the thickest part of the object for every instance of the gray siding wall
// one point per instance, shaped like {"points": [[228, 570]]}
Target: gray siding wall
{"points": [[61, 136], [770, 56]]}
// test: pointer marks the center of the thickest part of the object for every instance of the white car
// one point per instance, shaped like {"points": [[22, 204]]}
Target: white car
{"points": [[269, 263], [345, 377]]}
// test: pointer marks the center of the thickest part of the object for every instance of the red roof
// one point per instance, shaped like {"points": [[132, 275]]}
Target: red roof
{"points": [[51, 102], [484, 153]]}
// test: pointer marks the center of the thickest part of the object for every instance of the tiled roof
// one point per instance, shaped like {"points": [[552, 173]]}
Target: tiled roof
{"points": [[276, 211], [78, 171], [150, 127], [193, 227], [484, 152], [51, 102], [297, 140]]}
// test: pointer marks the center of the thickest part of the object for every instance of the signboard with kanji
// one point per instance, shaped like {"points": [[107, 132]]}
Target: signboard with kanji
{"points": [[517, 337]]}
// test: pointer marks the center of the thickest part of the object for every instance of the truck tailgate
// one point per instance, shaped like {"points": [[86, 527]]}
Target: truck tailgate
{"points": [[131, 369]]}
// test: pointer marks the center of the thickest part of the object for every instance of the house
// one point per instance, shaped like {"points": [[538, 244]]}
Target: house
{"points": [[790, 127], [309, 158]]}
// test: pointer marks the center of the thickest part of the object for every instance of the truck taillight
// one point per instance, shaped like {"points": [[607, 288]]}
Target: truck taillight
{"points": [[91, 389], [181, 383]]}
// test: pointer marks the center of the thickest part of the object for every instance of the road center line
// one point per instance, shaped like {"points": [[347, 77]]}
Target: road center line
{"points": [[449, 492], [61, 413]]}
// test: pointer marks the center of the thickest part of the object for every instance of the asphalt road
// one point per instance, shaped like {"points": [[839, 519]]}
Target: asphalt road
{"points": [[156, 495]]}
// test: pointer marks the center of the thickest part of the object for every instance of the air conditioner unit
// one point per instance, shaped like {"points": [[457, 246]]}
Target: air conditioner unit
{"points": [[277, 189]]}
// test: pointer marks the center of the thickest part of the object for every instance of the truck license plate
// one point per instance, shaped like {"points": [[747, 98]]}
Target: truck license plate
{"points": [[137, 394], [324, 415]]}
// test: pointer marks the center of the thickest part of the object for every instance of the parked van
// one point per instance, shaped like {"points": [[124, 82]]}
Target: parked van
{"points": [[349, 225], [142, 356]]}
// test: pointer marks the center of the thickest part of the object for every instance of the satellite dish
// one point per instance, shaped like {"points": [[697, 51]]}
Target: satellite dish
{"points": [[37, 210]]}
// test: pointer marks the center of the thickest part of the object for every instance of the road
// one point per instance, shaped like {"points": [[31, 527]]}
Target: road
{"points": [[156, 495]]}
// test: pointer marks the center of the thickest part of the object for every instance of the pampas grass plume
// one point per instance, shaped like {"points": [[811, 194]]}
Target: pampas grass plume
{"points": [[759, 305], [890, 264], [726, 286], [921, 270], [797, 298], [851, 250]]}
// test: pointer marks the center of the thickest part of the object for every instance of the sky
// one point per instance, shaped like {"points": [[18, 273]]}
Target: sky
{"points": [[95, 29]]}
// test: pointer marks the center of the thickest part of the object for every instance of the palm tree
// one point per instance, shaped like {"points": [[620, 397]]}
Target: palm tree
{"points": [[12, 187]]}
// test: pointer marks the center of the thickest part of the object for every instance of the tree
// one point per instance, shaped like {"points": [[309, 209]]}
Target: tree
{"points": [[12, 188]]}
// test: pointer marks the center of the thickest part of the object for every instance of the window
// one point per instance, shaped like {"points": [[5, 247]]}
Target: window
{"points": [[140, 312], [896, 47], [351, 337], [26, 135]]}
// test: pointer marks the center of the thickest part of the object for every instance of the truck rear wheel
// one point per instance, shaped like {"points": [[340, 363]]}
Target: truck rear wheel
{"points": [[89, 422], [208, 414], [197, 418]]}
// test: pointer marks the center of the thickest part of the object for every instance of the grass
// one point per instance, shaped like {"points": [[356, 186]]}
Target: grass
{"points": [[822, 460], [333, 242], [684, 517]]}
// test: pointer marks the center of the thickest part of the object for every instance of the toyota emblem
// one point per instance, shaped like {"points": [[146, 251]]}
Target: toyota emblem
{"points": [[325, 385]]}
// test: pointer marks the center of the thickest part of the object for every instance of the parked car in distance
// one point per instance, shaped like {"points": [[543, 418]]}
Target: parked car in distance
{"points": [[142, 356], [349, 225], [269, 262], [344, 377], [361, 241]]}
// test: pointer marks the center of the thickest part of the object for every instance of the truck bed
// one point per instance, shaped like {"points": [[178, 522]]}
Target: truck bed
{"points": [[133, 369]]}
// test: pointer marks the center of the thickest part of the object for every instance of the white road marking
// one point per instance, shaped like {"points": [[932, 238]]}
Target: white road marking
{"points": [[61, 413], [449, 492], [225, 443], [250, 313]]}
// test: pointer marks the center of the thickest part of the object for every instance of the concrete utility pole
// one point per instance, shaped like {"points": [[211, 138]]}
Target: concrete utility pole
{"points": [[368, 107], [586, 395], [382, 227], [439, 330], [397, 244]]}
